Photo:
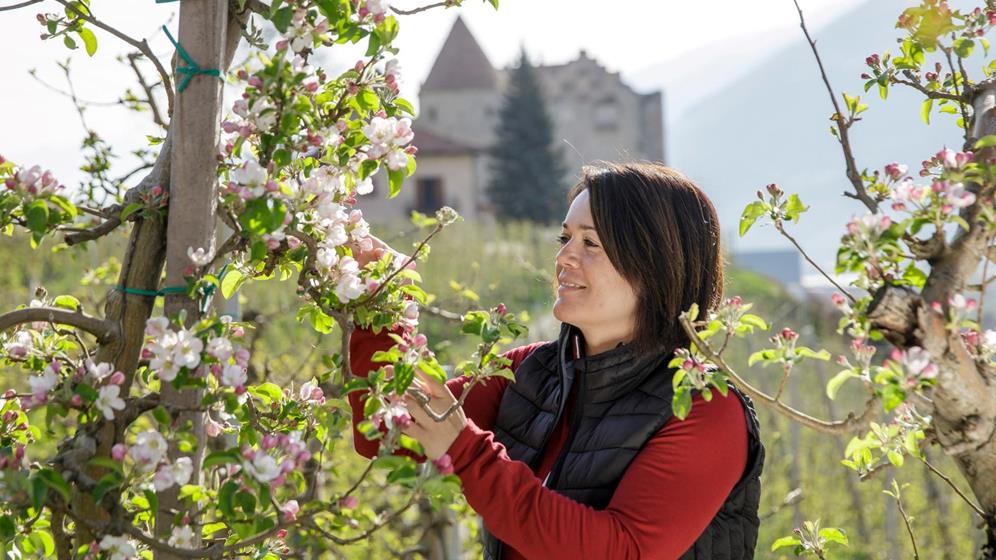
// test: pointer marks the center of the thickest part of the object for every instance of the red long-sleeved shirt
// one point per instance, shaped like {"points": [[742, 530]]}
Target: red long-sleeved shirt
{"points": [[666, 498]]}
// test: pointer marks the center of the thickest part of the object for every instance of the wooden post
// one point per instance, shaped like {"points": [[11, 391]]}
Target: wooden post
{"points": [[193, 194]]}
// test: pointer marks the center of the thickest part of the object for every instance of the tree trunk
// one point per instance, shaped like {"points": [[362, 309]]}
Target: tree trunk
{"points": [[193, 195]]}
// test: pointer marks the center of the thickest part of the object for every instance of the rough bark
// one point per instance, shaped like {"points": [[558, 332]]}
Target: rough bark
{"points": [[964, 398]]}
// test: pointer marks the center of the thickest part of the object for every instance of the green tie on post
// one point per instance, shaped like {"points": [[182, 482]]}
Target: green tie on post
{"points": [[192, 68]]}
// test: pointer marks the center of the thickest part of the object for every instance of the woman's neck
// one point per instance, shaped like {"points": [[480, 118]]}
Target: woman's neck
{"points": [[597, 342]]}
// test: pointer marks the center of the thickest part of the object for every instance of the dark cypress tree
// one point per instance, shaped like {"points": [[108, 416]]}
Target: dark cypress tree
{"points": [[527, 170]]}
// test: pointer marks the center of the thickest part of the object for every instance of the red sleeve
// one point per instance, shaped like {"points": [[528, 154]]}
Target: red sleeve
{"points": [[481, 405], [669, 494]]}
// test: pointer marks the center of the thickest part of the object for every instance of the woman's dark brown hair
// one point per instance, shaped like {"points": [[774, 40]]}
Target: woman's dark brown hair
{"points": [[661, 233]]}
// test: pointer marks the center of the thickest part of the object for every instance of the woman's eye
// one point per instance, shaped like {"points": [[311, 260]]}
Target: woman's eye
{"points": [[563, 239], [590, 243]]}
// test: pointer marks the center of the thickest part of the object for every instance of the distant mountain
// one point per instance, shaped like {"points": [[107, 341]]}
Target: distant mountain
{"points": [[770, 125]]}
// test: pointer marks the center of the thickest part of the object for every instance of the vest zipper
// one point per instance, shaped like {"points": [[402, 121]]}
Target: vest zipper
{"points": [[554, 475]]}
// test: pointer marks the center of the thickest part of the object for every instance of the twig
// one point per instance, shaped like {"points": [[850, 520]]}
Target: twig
{"points": [[842, 126], [100, 230], [913, 83], [443, 4], [142, 46], [410, 260], [781, 230], [906, 518], [149, 98], [851, 424], [954, 84], [21, 5], [34, 74], [105, 331], [954, 487], [442, 313]]}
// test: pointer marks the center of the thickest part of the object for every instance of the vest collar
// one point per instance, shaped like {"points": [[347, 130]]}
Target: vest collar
{"points": [[610, 374]]}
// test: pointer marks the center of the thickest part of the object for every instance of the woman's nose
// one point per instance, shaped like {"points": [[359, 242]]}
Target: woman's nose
{"points": [[567, 256]]}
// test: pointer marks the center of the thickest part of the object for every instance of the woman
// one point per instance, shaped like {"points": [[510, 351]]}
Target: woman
{"points": [[580, 457]]}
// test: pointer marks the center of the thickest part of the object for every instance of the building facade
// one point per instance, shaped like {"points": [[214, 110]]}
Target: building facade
{"points": [[596, 117]]}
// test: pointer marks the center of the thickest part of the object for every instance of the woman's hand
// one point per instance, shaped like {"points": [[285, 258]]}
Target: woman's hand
{"points": [[376, 249], [435, 437]]}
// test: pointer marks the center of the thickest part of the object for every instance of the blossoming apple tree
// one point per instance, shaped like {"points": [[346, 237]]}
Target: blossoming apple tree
{"points": [[172, 451], [918, 255]]}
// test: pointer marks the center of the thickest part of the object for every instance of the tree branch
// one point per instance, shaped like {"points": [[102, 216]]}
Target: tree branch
{"points": [[98, 231], [142, 46], [781, 230], [105, 331], [842, 126], [443, 4], [851, 424], [149, 98], [913, 83], [21, 5]]}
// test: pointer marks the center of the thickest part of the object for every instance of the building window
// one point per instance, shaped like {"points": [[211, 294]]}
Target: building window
{"points": [[428, 194], [607, 114]]}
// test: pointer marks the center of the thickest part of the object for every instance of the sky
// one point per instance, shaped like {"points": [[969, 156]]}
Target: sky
{"points": [[38, 125]]}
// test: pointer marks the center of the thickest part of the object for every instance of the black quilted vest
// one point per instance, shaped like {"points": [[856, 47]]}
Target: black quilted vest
{"points": [[622, 400]]}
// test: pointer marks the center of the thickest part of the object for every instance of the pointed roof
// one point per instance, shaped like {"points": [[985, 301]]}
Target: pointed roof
{"points": [[461, 64]]}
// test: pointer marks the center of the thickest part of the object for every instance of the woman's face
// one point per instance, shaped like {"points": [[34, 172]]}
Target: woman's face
{"points": [[591, 294]]}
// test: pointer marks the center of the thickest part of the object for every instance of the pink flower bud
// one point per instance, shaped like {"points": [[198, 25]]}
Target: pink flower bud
{"points": [[248, 453], [789, 335], [269, 441], [842, 360], [76, 401], [256, 82], [9, 394], [501, 310], [421, 340], [278, 482], [282, 45], [348, 502], [9, 416], [118, 451], [117, 378], [19, 453], [281, 533], [354, 89], [444, 464]]}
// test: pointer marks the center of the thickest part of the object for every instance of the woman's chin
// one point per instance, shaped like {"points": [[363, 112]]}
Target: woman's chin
{"points": [[562, 311]]}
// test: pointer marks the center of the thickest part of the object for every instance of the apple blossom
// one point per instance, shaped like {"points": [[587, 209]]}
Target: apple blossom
{"points": [[233, 375], [916, 362], [187, 352], [220, 348], [149, 448], [118, 548], [178, 473], [199, 256], [182, 537], [20, 346], [118, 451], [108, 400], [42, 384], [99, 371], [156, 326], [262, 467], [444, 464], [290, 510]]}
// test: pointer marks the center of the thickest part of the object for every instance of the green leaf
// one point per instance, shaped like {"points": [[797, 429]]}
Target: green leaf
{"points": [[37, 216], [395, 177], [681, 403], [805, 352], [925, 108], [68, 41], [432, 367], [43, 541], [68, 302], [221, 458], [89, 40], [834, 535], [268, 392], [963, 46], [785, 541], [225, 498], [55, 481], [367, 99], [754, 321], [129, 210], [794, 207], [39, 490], [230, 282], [760, 356], [837, 381], [895, 458], [751, 213], [282, 18], [986, 142]]}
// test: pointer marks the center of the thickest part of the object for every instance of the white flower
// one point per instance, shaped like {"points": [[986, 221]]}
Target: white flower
{"points": [[397, 159], [29, 177], [336, 235], [99, 371], [378, 7], [187, 352], [958, 197], [233, 375], [249, 175], [149, 448], [118, 548], [380, 130], [263, 467], [393, 68], [220, 348], [989, 339], [41, 385], [182, 537], [326, 258], [199, 257], [365, 186], [178, 473], [156, 326], [108, 401], [20, 346]]}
